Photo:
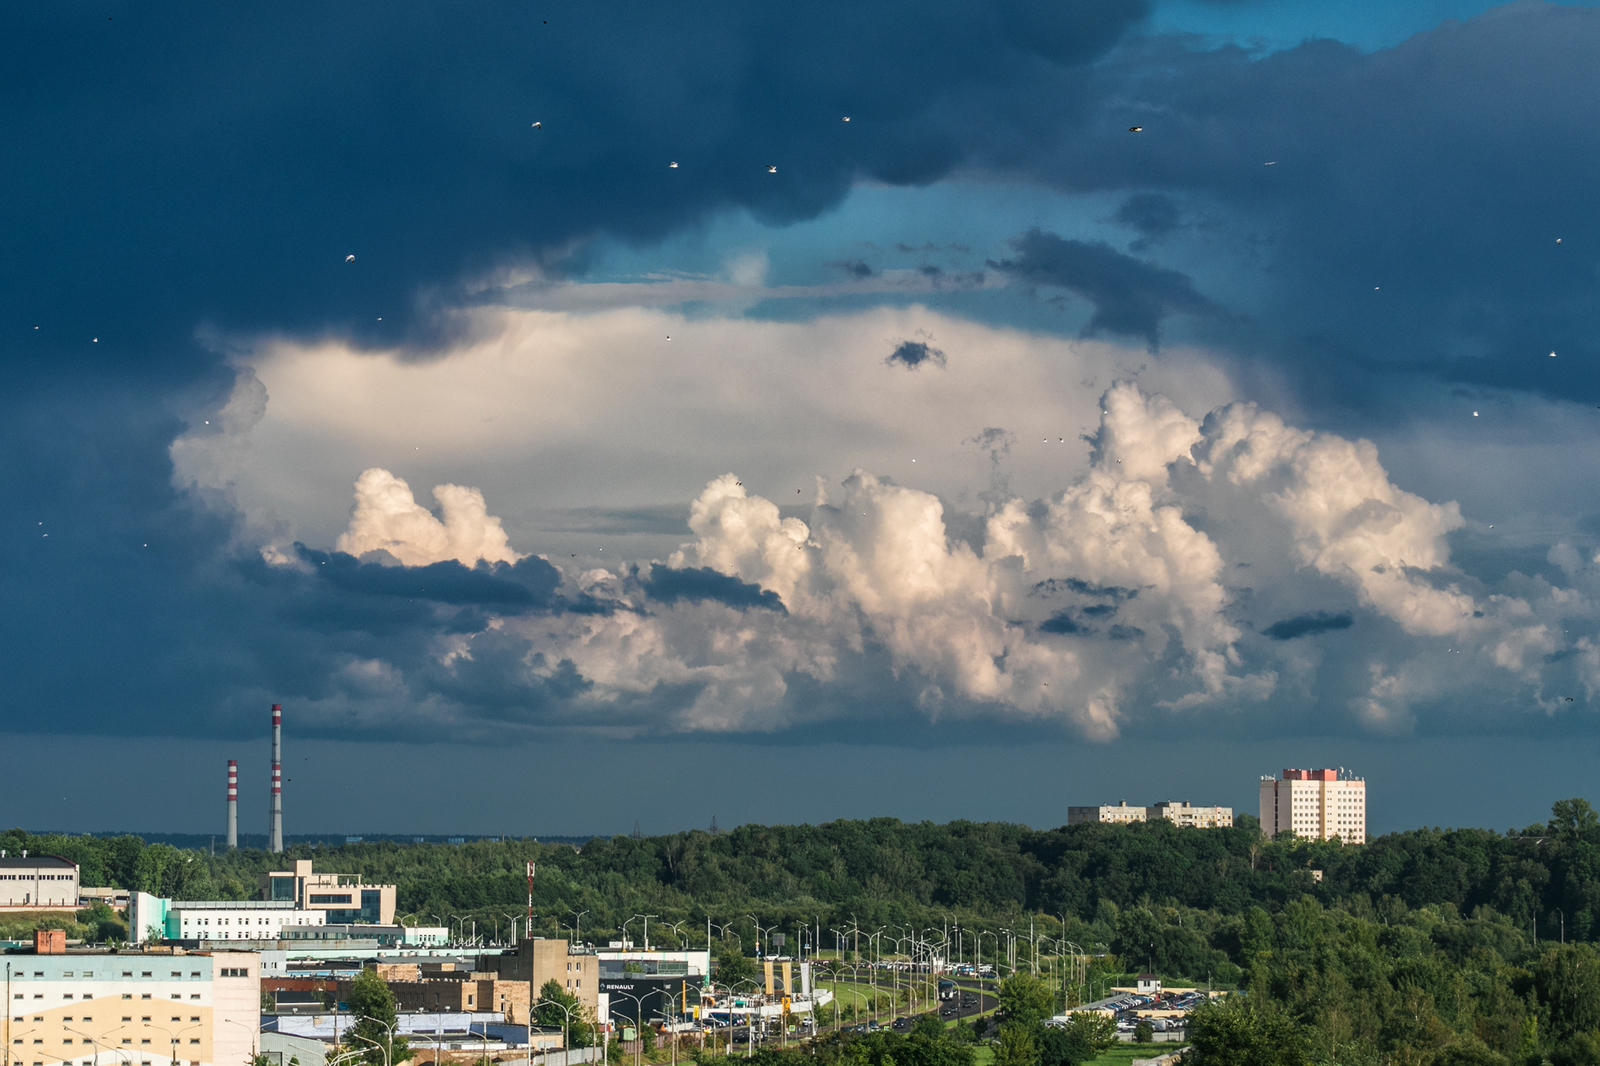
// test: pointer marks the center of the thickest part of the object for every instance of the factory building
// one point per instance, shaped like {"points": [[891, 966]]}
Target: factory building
{"points": [[37, 883], [1315, 805], [537, 961], [131, 1009], [344, 898]]}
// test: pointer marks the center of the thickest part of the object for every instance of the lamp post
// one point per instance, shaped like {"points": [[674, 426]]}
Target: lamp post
{"points": [[577, 926], [255, 1034], [638, 1020]]}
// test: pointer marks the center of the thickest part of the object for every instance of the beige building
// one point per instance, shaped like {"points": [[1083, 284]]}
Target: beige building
{"points": [[537, 961], [1180, 812], [1315, 805], [343, 897], [1199, 817], [132, 1009]]}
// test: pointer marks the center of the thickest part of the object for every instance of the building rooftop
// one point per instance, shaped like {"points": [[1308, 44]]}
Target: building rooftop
{"points": [[12, 862]]}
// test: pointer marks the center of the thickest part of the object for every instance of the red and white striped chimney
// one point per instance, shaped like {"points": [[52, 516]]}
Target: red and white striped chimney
{"points": [[233, 803], [275, 827]]}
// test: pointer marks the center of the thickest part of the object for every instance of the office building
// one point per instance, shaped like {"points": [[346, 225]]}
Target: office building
{"points": [[131, 1009], [198, 923], [37, 883], [1315, 805], [344, 898]]}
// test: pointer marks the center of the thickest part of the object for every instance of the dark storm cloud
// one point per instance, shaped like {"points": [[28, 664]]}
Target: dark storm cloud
{"points": [[703, 583], [1152, 214], [1308, 625], [527, 583], [1409, 220], [183, 170], [913, 354], [1130, 297], [176, 165]]}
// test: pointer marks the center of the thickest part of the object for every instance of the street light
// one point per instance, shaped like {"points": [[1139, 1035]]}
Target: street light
{"points": [[172, 1036], [638, 1018], [577, 926]]}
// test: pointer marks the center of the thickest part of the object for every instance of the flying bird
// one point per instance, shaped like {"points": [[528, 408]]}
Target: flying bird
{"points": [[349, 259], [1271, 164], [672, 166], [1552, 355], [1569, 699], [538, 125], [847, 118], [1135, 129], [1558, 240], [771, 169]]}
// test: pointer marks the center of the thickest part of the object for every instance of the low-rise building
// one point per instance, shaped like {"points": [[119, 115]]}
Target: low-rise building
{"points": [[94, 1008], [199, 923], [1183, 813], [1178, 811], [38, 883], [345, 898]]}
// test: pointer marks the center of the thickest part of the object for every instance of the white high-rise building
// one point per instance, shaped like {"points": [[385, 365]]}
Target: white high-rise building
{"points": [[1315, 805]]}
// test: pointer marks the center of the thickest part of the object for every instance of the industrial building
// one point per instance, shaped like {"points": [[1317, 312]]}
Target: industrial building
{"points": [[130, 1008], [344, 898], [1315, 805], [37, 883], [1177, 811]]}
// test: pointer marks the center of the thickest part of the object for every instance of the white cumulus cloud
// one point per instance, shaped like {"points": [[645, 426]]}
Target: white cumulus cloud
{"points": [[387, 518]]}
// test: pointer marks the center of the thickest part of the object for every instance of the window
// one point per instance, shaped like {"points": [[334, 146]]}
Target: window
{"points": [[127, 995], [194, 995]]}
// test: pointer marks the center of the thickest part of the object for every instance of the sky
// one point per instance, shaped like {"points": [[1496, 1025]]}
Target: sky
{"points": [[789, 412]]}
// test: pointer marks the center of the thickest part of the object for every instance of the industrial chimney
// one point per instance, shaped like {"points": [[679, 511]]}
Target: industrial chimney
{"points": [[275, 828], [233, 803]]}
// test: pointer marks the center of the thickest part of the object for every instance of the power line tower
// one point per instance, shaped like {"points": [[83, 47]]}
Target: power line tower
{"points": [[636, 834], [714, 829]]}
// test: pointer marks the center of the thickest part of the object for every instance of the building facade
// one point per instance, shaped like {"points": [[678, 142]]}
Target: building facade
{"points": [[1177, 811], [37, 883], [132, 1009], [201, 921], [1198, 817], [344, 897], [1315, 805], [1119, 813], [537, 961]]}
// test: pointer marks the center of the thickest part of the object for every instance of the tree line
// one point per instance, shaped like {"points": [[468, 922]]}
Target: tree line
{"points": [[1073, 880]]}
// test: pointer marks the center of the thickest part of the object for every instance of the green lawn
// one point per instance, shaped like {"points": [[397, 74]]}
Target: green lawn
{"points": [[1123, 1054]]}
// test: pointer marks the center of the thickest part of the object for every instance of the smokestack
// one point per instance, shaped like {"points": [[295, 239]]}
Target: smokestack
{"points": [[233, 803], [275, 828]]}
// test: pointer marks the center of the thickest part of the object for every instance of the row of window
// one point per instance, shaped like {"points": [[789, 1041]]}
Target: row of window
{"points": [[194, 975], [88, 996], [37, 877], [90, 1018]]}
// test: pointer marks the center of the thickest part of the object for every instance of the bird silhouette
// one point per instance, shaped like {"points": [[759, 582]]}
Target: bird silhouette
{"points": [[349, 259], [1135, 129], [771, 169], [538, 125]]}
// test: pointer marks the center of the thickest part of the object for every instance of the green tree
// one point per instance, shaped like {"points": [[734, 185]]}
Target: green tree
{"points": [[1573, 817], [1016, 1046], [373, 1005], [733, 967], [1236, 1032], [1025, 999], [558, 1007], [1143, 1033]]}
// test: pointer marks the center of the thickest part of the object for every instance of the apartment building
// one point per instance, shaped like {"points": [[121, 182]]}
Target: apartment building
{"points": [[88, 1008], [344, 897], [1315, 805]]}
